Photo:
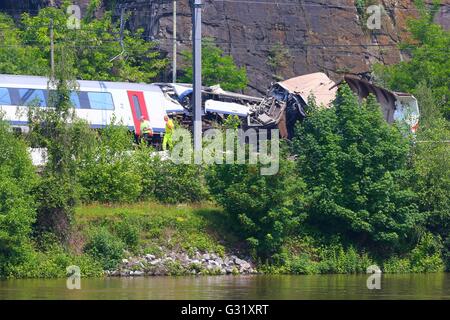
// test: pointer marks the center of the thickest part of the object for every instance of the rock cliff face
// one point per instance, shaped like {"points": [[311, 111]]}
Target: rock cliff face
{"points": [[313, 35]]}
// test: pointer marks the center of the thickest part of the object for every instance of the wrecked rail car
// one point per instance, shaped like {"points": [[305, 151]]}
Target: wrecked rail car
{"points": [[396, 106], [287, 101], [218, 104]]}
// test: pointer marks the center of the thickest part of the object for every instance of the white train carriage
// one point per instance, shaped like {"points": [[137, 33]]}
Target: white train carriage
{"points": [[95, 101]]}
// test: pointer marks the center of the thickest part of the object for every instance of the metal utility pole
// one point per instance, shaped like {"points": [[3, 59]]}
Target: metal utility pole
{"points": [[52, 50], [197, 63], [174, 53]]}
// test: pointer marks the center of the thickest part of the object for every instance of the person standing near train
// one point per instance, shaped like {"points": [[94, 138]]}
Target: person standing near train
{"points": [[167, 141], [146, 131]]}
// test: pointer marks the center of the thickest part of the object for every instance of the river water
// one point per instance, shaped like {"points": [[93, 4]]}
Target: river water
{"points": [[404, 286]]}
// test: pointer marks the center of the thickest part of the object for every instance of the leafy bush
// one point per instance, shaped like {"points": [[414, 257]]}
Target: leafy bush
{"points": [[17, 208], [217, 68], [307, 255], [52, 263], [433, 179], [108, 173], [357, 175], [425, 257], [177, 183], [167, 182], [105, 247], [336, 259], [261, 208], [128, 231]]}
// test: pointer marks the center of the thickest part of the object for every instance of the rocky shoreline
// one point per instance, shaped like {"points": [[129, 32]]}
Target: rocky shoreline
{"points": [[175, 263]]}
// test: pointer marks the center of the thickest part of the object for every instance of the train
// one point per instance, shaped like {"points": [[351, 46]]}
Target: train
{"points": [[99, 102]]}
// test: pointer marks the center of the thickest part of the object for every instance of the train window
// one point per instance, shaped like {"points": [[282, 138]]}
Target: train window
{"points": [[101, 100], [137, 107], [32, 97], [84, 100], [4, 96], [75, 100]]}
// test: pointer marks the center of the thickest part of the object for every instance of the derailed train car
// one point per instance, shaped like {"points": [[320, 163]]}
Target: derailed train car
{"points": [[286, 102]]}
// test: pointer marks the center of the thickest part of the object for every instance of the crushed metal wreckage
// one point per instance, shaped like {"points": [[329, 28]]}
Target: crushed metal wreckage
{"points": [[285, 102]]}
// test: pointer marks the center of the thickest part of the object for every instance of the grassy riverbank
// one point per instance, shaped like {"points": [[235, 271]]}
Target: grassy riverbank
{"points": [[103, 235]]}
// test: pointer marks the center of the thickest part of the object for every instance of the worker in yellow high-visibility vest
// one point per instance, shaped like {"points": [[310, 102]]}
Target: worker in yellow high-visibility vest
{"points": [[146, 131], [168, 134]]}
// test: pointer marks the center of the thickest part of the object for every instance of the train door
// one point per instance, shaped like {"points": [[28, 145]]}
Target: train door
{"points": [[138, 108]]}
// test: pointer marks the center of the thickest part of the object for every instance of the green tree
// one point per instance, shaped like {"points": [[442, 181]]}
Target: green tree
{"points": [[17, 208], [261, 209], [357, 175], [96, 46], [429, 64], [65, 139], [431, 162], [15, 57], [217, 68]]}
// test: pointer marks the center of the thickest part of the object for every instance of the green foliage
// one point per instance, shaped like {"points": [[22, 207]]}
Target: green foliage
{"points": [[361, 9], [425, 257], [52, 263], [17, 208], [167, 182], [65, 139], [431, 155], [105, 247], [108, 173], [111, 171], [148, 227], [178, 183], [356, 171], [279, 59], [336, 259], [429, 63], [95, 44], [232, 122], [307, 255], [15, 57], [217, 68], [261, 208], [128, 230]]}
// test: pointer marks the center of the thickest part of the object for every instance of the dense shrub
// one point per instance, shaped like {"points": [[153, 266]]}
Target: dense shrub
{"points": [[425, 257], [108, 173], [357, 175], [261, 208], [167, 182], [105, 247], [177, 183], [431, 162], [128, 230], [17, 208], [52, 263]]}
